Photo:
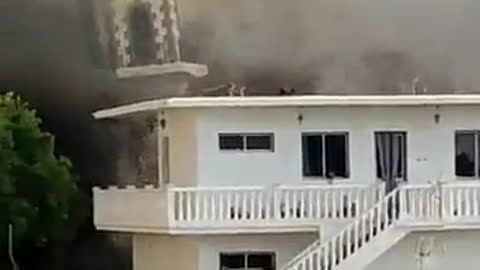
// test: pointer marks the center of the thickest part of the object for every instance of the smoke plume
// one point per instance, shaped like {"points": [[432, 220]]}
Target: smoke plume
{"points": [[331, 46], [46, 57], [49, 55]]}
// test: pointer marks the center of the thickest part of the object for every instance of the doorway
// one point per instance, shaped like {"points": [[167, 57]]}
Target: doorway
{"points": [[391, 158]]}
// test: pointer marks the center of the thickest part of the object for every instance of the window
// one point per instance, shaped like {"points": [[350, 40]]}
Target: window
{"points": [[246, 142], [325, 155], [391, 155], [142, 34], [231, 142], [248, 260], [467, 154]]}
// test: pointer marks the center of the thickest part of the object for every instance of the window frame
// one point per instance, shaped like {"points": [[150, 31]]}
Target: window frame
{"points": [[323, 135], [245, 257], [245, 135], [476, 154]]}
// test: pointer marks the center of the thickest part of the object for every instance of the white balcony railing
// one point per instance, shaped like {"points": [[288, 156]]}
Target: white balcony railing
{"points": [[461, 201], [223, 205], [230, 207], [274, 207], [446, 203]]}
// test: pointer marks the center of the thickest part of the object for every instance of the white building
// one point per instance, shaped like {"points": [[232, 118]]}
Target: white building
{"points": [[297, 182], [291, 182]]}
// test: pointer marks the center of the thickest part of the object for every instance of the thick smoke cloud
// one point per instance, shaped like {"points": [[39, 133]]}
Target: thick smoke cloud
{"points": [[331, 46], [45, 56]]}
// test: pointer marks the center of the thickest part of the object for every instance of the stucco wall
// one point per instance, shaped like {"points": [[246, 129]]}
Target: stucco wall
{"points": [[285, 247], [157, 252], [181, 129], [430, 146], [163, 252], [451, 250], [130, 208]]}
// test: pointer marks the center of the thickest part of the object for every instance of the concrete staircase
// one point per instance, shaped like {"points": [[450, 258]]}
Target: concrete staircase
{"points": [[376, 247], [359, 243]]}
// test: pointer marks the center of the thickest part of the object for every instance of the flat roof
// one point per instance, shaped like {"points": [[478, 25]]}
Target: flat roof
{"points": [[288, 101]]}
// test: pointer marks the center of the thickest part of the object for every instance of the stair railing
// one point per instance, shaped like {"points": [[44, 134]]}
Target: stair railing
{"points": [[329, 254]]}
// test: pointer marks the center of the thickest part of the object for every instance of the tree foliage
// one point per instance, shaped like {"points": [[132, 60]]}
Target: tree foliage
{"points": [[37, 192]]}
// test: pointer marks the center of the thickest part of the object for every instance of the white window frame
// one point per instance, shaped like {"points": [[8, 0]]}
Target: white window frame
{"points": [[476, 136], [244, 136], [323, 134]]}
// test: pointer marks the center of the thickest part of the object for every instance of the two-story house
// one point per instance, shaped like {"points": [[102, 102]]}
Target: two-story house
{"points": [[304, 182], [286, 182]]}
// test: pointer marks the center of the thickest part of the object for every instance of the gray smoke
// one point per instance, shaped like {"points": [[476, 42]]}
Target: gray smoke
{"points": [[331, 46], [49, 56]]}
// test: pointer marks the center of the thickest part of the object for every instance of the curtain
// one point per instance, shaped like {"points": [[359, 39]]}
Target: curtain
{"points": [[389, 151]]}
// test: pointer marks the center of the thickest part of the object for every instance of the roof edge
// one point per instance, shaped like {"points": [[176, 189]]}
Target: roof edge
{"points": [[151, 105], [288, 101]]}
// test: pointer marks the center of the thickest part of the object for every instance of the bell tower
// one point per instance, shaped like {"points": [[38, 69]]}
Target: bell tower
{"points": [[146, 32], [141, 37]]}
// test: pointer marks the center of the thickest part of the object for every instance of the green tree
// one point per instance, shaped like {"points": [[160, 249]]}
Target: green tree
{"points": [[38, 195]]}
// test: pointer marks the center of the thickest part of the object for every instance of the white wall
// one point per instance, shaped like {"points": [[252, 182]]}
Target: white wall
{"points": [[157, 252], [285, 246], [253, 168], [430, 146], [452, 250]]}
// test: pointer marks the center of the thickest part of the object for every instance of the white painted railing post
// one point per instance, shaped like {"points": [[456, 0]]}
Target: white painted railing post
{"points": [[441, 200], [276, 202], [403, 203], [171, 205]]}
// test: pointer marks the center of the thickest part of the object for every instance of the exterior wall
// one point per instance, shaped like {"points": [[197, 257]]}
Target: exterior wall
{"points": [[285, 246], [430, 145], [131, 208], [181, 129], [153, 252], [451, 250], [158, 252], [253, 168]]}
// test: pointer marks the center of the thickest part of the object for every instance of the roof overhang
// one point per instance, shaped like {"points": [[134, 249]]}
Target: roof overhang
{"points": [[288, 101]]}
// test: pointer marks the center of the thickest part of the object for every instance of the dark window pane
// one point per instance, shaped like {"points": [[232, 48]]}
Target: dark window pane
{"points": [[478, 154], [142, 34], [260, 142], [230, 142], [377, 158], [312, 155], [465, 154], [401, 154], [263, 261], [232, 261], [336, 158]]}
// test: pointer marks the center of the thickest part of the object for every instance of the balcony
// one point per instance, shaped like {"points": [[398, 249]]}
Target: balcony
{"points": [[444, 206], [410, 208], [201, 210]]}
